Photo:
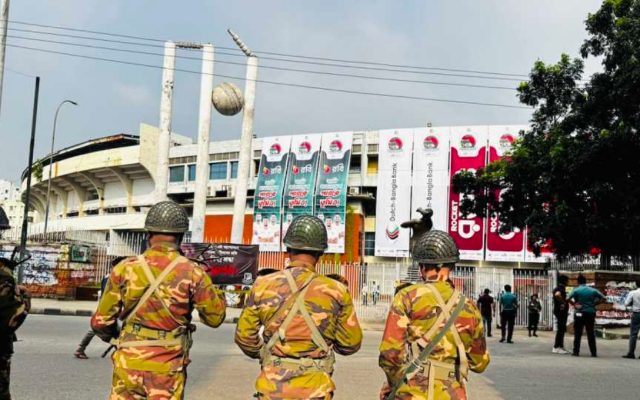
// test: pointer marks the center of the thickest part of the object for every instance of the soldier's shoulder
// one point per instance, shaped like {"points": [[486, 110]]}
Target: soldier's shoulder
{"points": [[331, 283], [125, 264]]}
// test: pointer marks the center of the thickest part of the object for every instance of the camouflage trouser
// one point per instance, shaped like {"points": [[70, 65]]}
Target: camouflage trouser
{"points": [[5, 370], [265, 397], [129, 384]]}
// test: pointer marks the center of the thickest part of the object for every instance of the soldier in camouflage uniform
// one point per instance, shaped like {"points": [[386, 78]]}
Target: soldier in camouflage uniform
{"points": [[14, 306], [154, 295], [433, 334], [306, 318]]}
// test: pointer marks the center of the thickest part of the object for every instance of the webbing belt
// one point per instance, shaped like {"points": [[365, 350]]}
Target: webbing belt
{"points": [[153, 337], [298, 308], [432, 368]]}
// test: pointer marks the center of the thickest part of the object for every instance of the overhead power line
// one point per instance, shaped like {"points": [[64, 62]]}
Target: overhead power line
{"points": [[388, 95], [315, 72], [306, 57]]}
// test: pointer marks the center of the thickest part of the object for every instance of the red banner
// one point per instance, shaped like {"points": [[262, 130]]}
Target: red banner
{"points": [[507, 246], [468, 153]]}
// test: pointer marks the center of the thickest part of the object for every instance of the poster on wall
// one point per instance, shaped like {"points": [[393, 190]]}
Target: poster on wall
{"points": [[226, 264], [431, 174], [508, 246], [267, 203], [301, 178], [546, 252], [393, 205], [468, 152], [331, 191]]}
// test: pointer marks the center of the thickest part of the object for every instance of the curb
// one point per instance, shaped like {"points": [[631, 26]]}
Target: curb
{"points": [[88, 313]]}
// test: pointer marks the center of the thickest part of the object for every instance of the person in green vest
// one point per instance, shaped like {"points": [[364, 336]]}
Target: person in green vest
{"points": [[584, 300], [508, 312]]}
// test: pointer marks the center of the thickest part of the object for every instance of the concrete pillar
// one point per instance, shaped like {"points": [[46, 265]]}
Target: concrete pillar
{"points": [[202, 159], [364, 160], [246, 156], [166, 105], [4, 21]]}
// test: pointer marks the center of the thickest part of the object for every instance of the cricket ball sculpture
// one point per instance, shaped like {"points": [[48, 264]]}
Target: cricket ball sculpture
{"points": [[227, 99]]}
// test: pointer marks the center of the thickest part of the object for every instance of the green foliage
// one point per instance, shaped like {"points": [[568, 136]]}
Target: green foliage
{"points": [[36, 170], [574, 179]]}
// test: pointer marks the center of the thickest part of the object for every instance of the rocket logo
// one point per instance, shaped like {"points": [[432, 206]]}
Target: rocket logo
{"points": [[395, 144], [335, 146], [468, 142], [275, 149], [430, 143], [506, 141], [392, 231], [266, 171], [326, 169], [304, 148], [295, 169]]}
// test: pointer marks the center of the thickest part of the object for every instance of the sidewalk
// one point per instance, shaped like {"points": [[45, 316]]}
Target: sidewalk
{"points": [[86, 309]]}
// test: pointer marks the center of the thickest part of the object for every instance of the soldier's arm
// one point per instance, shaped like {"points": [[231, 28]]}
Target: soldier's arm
{"points": [[208, 300], [105, 320], [392, 347], [476, 345], [348, 337], [248, 328]]}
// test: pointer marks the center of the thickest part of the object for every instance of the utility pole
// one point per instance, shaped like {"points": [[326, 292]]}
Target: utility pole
{"points": [[166, 107], [246, 139], [25, 220], [4, 21], [202, 158]]}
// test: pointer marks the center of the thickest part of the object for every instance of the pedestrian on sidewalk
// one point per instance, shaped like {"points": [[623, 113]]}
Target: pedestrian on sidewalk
{"points": [[585, 299], [365, 295], [375, 292], [508, 312], [487, 308], [88, 337], [633, 301], [535, 307], [561, 312]]}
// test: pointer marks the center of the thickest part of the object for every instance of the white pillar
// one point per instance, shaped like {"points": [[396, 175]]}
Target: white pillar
{"points": [[166, 105], [4, 20], [246, 156], [202, 160]]}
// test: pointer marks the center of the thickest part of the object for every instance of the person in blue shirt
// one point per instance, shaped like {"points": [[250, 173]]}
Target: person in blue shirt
{"points": [[508, 311], [585, 299]]}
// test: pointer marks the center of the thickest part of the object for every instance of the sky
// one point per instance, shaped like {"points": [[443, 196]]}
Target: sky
{"points": [[489, 35]]}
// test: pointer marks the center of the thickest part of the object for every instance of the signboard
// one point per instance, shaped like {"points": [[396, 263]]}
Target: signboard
{"points": [[468, 152], [267, 209], [226, 264], [431, 174], [301, 179], [393, 203], [507, 246], [331, 191]]}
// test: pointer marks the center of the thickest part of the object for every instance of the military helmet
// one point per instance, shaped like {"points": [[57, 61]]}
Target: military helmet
{"points": [[167, 217], [306, 232], [4, 221], [435, 247]]}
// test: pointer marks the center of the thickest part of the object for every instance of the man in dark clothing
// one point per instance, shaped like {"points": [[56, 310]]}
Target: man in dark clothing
{"points": [[487, 308], [508, 311], [561, 312], [585, 299]]}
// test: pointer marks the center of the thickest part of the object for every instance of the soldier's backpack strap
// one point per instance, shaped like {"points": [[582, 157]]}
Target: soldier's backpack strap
{"points": [[432, 338], [296, 306], [154, 284], [462, 354]]}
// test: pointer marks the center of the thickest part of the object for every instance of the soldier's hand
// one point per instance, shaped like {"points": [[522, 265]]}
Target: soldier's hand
{"points": [[385, 391]]}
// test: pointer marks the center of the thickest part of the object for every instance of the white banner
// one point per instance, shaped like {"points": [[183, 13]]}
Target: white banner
{"points": [[393, 203], [267, 209], [331, 192], [431, 174]]}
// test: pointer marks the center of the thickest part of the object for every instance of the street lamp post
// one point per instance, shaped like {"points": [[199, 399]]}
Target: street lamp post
{"points": [[53, 139]]}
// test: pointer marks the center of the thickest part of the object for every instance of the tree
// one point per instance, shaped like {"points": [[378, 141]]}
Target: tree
{"points": [[574, 178]]}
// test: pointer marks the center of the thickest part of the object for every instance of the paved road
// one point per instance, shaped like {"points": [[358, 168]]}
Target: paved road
{"points": [[44, 368]]}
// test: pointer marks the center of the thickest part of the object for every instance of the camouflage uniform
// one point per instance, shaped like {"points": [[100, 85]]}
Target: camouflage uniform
{"points": [[14, 305], [433, 334], [331, 308], [413, 312], [144, 369]]}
